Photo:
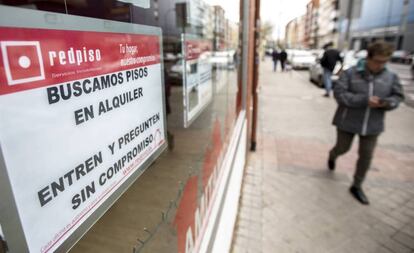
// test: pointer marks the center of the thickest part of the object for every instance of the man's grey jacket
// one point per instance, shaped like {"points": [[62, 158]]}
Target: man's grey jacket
{"points": [[352, 92]]}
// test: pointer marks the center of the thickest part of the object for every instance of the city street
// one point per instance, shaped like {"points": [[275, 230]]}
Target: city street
{"points": [[404, 73], [127, 126], [402, 70], [292, 203]]}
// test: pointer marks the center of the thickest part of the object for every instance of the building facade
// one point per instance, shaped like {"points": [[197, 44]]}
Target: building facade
{"points": [[295, 33], [128, 179], [311, 24], [321, 23], [390, 20], [220, 26], [301, 37], [291, 33], [328, 23]]}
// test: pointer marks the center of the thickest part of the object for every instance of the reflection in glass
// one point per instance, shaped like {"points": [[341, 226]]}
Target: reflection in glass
{"points": [[165, 199]]}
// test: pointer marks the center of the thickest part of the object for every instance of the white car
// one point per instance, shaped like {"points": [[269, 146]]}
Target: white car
{"points": [[350, 59], [175, 72], [301, 59], [401, 56], [223, 59]]}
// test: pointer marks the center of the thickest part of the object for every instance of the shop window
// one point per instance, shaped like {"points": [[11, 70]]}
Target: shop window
{"points": [[167, 208]]}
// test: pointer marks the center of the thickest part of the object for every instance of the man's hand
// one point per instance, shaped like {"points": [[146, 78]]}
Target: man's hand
{"points": [[375, 102]]}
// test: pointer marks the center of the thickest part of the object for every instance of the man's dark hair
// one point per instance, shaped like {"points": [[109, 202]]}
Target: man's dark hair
{"points": [[328, 45], [380, 48]]}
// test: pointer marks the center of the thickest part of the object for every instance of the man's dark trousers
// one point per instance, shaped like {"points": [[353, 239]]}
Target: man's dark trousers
{"points": [[365, 152]]}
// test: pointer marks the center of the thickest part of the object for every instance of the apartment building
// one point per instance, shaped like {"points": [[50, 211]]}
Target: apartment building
{"points": [[328, 22]]}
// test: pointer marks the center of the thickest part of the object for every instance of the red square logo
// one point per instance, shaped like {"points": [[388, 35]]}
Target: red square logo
{"points": [[22, 61]]}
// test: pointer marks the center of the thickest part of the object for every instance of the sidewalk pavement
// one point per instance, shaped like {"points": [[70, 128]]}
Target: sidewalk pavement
{"points": [[290, 201]]}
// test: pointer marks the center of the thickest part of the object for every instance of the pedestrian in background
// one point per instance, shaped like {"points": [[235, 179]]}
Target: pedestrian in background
{"points": [[167, 88], [283, 57], [364, 93], [275, 58], [329, 59]]}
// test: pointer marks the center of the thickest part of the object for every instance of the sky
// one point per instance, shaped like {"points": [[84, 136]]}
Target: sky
{"points": [[231, 8], [278, 12]]}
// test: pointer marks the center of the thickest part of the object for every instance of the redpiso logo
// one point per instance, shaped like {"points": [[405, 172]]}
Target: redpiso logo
{"points": [[22, 61]]}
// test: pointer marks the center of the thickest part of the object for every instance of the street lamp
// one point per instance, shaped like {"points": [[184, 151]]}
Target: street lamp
{"points": [[388, 19], [403, 25], [350, 10]]}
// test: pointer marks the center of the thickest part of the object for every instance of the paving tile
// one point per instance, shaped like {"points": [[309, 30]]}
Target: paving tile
{"points": [[404, 239], [401, 216], [239, 249], [410, 204], [397, 224], [395, 246], [386, 206], [409, 229], [382, 249], [299, 206], [407, 211], [382, 230]]}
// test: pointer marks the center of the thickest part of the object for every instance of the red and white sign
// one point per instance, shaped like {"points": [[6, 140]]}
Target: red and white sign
{"points": [[194, 48], [23, 62], [197, 71], [41, 57], [81, 112]]}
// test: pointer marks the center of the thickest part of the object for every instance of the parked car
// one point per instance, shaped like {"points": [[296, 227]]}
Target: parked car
{"points": [[401, 56], [412, 67], [269, 51], [174, 73], [172, 68], [361, 54], [223, 59], [317, 52], [301, 59], [350, 59]]}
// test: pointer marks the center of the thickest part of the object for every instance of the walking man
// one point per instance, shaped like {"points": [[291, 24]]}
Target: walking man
{"points": [[283, 57], [275, 58], [364, 93], [329, 59]]}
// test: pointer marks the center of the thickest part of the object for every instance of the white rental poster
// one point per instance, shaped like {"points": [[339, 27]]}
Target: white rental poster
{"points": [[82, 115], [197, 72]]}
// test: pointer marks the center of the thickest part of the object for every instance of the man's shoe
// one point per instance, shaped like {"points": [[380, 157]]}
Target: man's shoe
{"points": [[331, 164], [359, 195]]}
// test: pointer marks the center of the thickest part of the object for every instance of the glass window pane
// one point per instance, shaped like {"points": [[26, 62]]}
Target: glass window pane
{"points": [[159, 209]]}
